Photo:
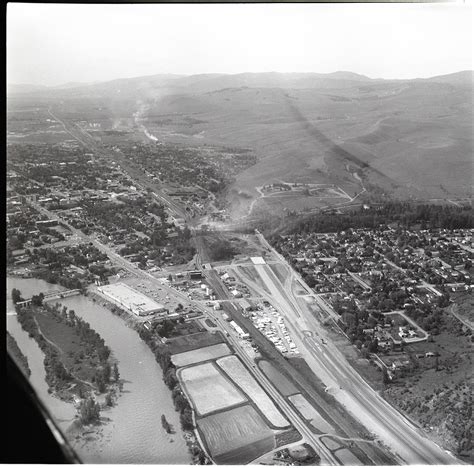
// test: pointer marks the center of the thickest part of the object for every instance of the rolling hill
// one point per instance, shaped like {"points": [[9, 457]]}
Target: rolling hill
{"points": [[405, 138]]}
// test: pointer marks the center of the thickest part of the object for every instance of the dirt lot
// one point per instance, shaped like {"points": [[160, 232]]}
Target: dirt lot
{"points": [[237, 436], [234, 368], [193, 341], [209, 389], [202, 354]]}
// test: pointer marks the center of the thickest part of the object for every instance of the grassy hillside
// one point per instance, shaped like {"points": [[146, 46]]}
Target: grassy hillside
{"points": [[409, 138]]}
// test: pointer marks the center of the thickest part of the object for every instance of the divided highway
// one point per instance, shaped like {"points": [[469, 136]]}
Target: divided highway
{"points": [[408, 442]]}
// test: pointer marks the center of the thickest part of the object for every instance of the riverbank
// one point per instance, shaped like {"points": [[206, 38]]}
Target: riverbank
{"points": [[76, 360], [131, 431], [16, 354]]}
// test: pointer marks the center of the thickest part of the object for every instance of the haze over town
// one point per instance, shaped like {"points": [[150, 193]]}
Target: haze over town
{"points": [[241, 234]]}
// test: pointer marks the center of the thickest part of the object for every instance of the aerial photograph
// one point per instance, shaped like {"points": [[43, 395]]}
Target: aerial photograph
{"points": [[239, 234]]}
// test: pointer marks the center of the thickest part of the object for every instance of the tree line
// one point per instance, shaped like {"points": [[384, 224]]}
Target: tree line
{"points": [[404, 214]]}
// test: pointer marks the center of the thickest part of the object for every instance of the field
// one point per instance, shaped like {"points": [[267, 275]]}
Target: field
{"points": [[310, 414], [237, 436], [201, 354], [208, 389], [347, 458], [196, 340], [281, 383], [239, 374]]}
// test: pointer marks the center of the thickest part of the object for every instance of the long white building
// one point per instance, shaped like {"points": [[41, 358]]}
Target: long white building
{"points": [[130, 299]]}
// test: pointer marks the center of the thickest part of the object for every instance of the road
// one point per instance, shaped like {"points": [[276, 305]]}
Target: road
{"points": [[345, 383], [327, 458], [326, 361], [117, 156]]}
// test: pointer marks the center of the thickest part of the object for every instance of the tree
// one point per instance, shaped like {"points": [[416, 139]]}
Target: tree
{"points": [[107, 372], [37, 300], [16, 296], [116, 372], [89, 411], [109, 401]]}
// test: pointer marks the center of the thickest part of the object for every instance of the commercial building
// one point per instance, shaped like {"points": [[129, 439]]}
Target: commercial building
{"points": [[131, 300]]}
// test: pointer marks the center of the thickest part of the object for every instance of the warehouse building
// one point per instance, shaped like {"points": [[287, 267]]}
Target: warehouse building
{"points": [[131, 300]]}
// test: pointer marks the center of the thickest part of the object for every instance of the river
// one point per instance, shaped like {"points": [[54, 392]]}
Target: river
{"points": [[134, 433]]}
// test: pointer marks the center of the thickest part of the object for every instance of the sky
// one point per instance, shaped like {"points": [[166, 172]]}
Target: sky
{"points": [[52, 44]]}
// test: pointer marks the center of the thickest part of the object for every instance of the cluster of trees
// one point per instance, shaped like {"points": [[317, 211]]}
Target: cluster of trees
{"points": [[448, 408], [16, 296], [57, 277], [93, 347], [163, 357], [129, 215], [160, 248], [402, 213], [57, 376], [93, 343], [89, 411], [83, 256], [221, 249], [104, 375], [429, 318]]}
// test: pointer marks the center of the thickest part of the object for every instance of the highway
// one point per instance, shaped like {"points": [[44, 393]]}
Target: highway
{"points": [[327, 458], [327, 362], [347, 386]]}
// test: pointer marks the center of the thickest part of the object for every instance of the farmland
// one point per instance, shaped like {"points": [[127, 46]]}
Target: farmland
{"points": [[202, 354], [237, 436], [310, 414], [239, 374], [208, 389]]}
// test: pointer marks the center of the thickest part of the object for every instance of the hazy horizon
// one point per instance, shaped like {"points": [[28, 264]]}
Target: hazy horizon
{"points": [[98, 43], [85, 83]]}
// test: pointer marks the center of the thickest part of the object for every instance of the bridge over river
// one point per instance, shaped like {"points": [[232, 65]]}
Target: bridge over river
{"points": [[48, 297]]}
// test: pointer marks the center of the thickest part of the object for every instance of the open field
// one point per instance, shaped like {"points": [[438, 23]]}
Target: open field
{"points": [[232, 366], [196, 340], [201, 354], [347, 458], [237, 436], [208, 389], [281, 383], [310, 414]]}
